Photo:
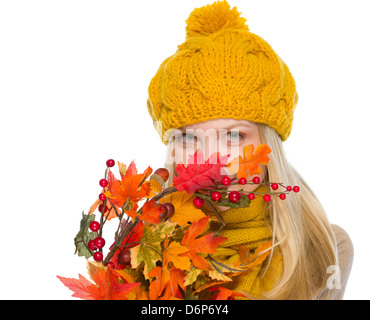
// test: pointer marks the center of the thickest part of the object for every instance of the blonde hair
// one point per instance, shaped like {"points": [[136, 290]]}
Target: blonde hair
{"points": [[299, 226]]}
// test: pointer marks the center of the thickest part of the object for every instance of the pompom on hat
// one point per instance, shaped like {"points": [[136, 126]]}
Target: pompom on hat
{"points": [[222, 70]]}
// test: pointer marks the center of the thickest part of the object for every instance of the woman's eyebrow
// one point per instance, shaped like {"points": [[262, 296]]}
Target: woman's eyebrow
{"points": [[238, 124], [235, 124]]}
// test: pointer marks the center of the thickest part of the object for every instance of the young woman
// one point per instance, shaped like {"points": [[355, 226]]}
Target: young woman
{"points": [[223, 89]]}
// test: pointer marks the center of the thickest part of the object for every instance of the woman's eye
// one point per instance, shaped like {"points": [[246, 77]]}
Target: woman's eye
{"points": [[187, 137], [234, 136]]}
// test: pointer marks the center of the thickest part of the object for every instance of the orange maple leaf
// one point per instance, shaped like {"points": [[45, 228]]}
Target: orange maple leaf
{"points": [[248, 165], [248, 261], [167, 283], [137, 293], [132, 186], [205, 244], [150, 212], [108, 284], [224, 294], [110, 213]]}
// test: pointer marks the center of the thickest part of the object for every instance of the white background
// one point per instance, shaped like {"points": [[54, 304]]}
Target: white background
{"points": [[73, 90]]}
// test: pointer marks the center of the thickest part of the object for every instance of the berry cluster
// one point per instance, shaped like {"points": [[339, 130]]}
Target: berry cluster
{"points": [[217, 193], [99, 242], [235, 196], [161, 175]]}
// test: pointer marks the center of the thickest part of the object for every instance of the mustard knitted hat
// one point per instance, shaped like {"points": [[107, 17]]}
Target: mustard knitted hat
{"points": [[222, 70]]}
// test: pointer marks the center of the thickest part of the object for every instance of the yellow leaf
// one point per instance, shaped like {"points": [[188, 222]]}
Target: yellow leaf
{"points": [[109, 195], [122, 168], [172, 254], [192, 276], [155, 186], [215, 275], [184, 207]]}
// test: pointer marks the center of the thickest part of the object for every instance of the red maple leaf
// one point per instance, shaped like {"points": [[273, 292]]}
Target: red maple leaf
{"points": [[199, 173], [132, 240]]}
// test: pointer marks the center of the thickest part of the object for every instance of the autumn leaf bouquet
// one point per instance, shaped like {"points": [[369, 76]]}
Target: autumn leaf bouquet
{"points": [[162, 247]]}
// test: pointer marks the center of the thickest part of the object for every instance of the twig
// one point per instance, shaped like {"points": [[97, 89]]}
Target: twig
{"points": [[123, 234], [223, 223], [224, 265]]}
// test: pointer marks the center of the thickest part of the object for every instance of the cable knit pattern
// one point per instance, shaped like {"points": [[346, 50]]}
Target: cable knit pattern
{"points": [[222, 70]]}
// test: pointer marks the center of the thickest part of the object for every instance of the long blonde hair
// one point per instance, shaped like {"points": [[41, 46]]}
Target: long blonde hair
{"points": [[299, 225]]}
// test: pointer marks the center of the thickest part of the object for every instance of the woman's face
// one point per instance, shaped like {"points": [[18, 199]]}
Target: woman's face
{"points": [[223, 135]]}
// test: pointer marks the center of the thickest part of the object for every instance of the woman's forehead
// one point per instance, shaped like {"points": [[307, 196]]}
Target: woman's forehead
{"points": [[220, 123]]}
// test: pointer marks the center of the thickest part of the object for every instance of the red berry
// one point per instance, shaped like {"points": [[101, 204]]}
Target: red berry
{"points": [[282, 196], [98, 256], [234, 196], [91, 245], [103, 183], [110, 163], [256, 180], [274, 186], [251, 196], [100, 208], [94, 226], [198, 202], [216, 196], [226, 180], [288, 188], [242, 180], [111, 264], [296, 189], [124, 257], [102, 197], [99, 242], [267, 197]]}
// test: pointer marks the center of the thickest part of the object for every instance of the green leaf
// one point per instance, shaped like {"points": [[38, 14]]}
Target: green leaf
{"points": [[219, 203], [192, 276], [149, 251], [189, 294], [227, 204], [84, 235], [244, 201]]}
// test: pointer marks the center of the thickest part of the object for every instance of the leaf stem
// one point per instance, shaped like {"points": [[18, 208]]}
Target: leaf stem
{"points": [[123, 234]]}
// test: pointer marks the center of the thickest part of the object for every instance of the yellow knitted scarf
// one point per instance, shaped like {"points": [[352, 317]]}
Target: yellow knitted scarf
{"points": [[248, 227]]}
